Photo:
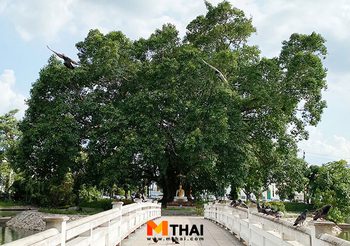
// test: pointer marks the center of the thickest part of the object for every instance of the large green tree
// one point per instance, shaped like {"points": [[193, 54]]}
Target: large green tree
{"points": [[206, 110]]}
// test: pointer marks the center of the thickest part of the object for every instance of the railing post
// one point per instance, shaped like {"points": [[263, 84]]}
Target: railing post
{"points": [[60, 224], [250, 222], [318, 228], [119, 205]]}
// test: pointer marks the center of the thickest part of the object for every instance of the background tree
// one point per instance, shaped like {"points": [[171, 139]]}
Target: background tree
{"points": [[332, 186], [290, 178], [9, 134], [311, 173]]}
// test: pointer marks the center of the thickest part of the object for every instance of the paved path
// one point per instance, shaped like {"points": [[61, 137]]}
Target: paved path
{"points": [[213, 235]]}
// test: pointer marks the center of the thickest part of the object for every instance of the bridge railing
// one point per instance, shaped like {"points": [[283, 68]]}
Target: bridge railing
{"points": [[261, 230], [107, 228]]}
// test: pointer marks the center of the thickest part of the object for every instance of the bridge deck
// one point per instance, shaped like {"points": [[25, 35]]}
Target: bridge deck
{"points": [[213, 235]]}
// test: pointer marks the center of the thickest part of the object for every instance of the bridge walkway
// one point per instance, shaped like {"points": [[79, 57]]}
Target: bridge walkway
{"points": [[213, 234]]}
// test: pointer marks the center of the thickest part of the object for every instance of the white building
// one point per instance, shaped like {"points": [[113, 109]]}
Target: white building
{"points": [[271, 194]]}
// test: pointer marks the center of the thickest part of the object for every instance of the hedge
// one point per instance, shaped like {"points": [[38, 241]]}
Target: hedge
{"points": [[298, 207]]}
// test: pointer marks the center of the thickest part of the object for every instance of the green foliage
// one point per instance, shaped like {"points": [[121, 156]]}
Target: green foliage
{"points": [[199, 211], [311, 174], [9, 134], [9, 203], [332, 186], [290, 177], [61, 195], [89, 193], [298, 207], [84, 211], [154, 109], [276, 205], [104, 204]]}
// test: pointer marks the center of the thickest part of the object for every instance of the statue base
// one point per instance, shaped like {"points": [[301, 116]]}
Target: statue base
{"points": [[180, 199]]}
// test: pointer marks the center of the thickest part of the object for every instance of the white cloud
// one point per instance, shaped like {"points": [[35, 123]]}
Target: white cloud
{"points": [[339, 88], [38, 18], [9, 99], [276, 20], [3, 5], [47, 19], [320, 149]]}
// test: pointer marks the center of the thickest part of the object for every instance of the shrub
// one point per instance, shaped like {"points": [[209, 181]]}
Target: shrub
{"points": [[62, 194], [199, 203], [298, 207], [276, 205], [105, 204], [199, 211], [89, 193]]}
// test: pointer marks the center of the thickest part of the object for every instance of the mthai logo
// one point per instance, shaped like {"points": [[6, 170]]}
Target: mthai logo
{"points": [[162, 227], [176, 229]]}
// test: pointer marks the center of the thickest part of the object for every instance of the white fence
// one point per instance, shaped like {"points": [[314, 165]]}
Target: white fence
{"points": [[257, 229], [108, 228]]}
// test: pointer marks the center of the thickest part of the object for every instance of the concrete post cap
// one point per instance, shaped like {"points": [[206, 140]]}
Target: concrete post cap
{"points": [[117, 203], [138, 200]]}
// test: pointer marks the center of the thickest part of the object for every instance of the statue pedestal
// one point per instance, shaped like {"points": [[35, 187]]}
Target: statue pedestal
{"points": [[180, 199]]}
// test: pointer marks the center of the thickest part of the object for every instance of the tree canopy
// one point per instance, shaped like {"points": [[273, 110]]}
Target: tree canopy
{"points": [[155, 109]]}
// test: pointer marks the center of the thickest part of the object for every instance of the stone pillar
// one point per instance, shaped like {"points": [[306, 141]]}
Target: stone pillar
{"points": [[138, 200], [319, 228], [60, 224], [117, 205]]}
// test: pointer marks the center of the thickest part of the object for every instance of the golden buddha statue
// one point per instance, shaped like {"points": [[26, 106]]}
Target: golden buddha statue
{"points": [[180, 195], [180, 192]]}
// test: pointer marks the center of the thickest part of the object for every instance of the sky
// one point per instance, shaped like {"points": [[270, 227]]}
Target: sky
{"points": [[28, 26]]}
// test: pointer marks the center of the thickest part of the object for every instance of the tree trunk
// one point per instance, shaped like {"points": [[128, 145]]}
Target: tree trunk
{"points": [[126, 191], [169, 179], [247, 196], [166, 191], [169, 189]]}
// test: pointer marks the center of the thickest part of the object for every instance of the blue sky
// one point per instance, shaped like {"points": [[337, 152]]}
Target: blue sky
{"points": [[28, 26]]}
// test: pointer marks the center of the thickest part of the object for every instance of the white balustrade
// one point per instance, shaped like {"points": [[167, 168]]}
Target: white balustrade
{"points": [[257, 229], [107, 228]]}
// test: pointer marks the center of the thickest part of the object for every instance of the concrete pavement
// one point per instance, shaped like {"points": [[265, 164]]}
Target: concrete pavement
{"points": [[213, 235]]}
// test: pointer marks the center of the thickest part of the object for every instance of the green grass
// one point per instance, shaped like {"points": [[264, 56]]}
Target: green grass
{"points": [[8, 213], [179, 208], [182, 211], [83, 211], [8, 203]]}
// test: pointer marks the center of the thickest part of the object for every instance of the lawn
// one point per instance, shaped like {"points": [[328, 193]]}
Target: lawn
{"points": [[182, 211], [82, 211], [9, 203]]}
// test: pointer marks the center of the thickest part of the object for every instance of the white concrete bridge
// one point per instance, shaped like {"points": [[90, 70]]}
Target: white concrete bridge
{"points": [[222, 225], [213, 234]]}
